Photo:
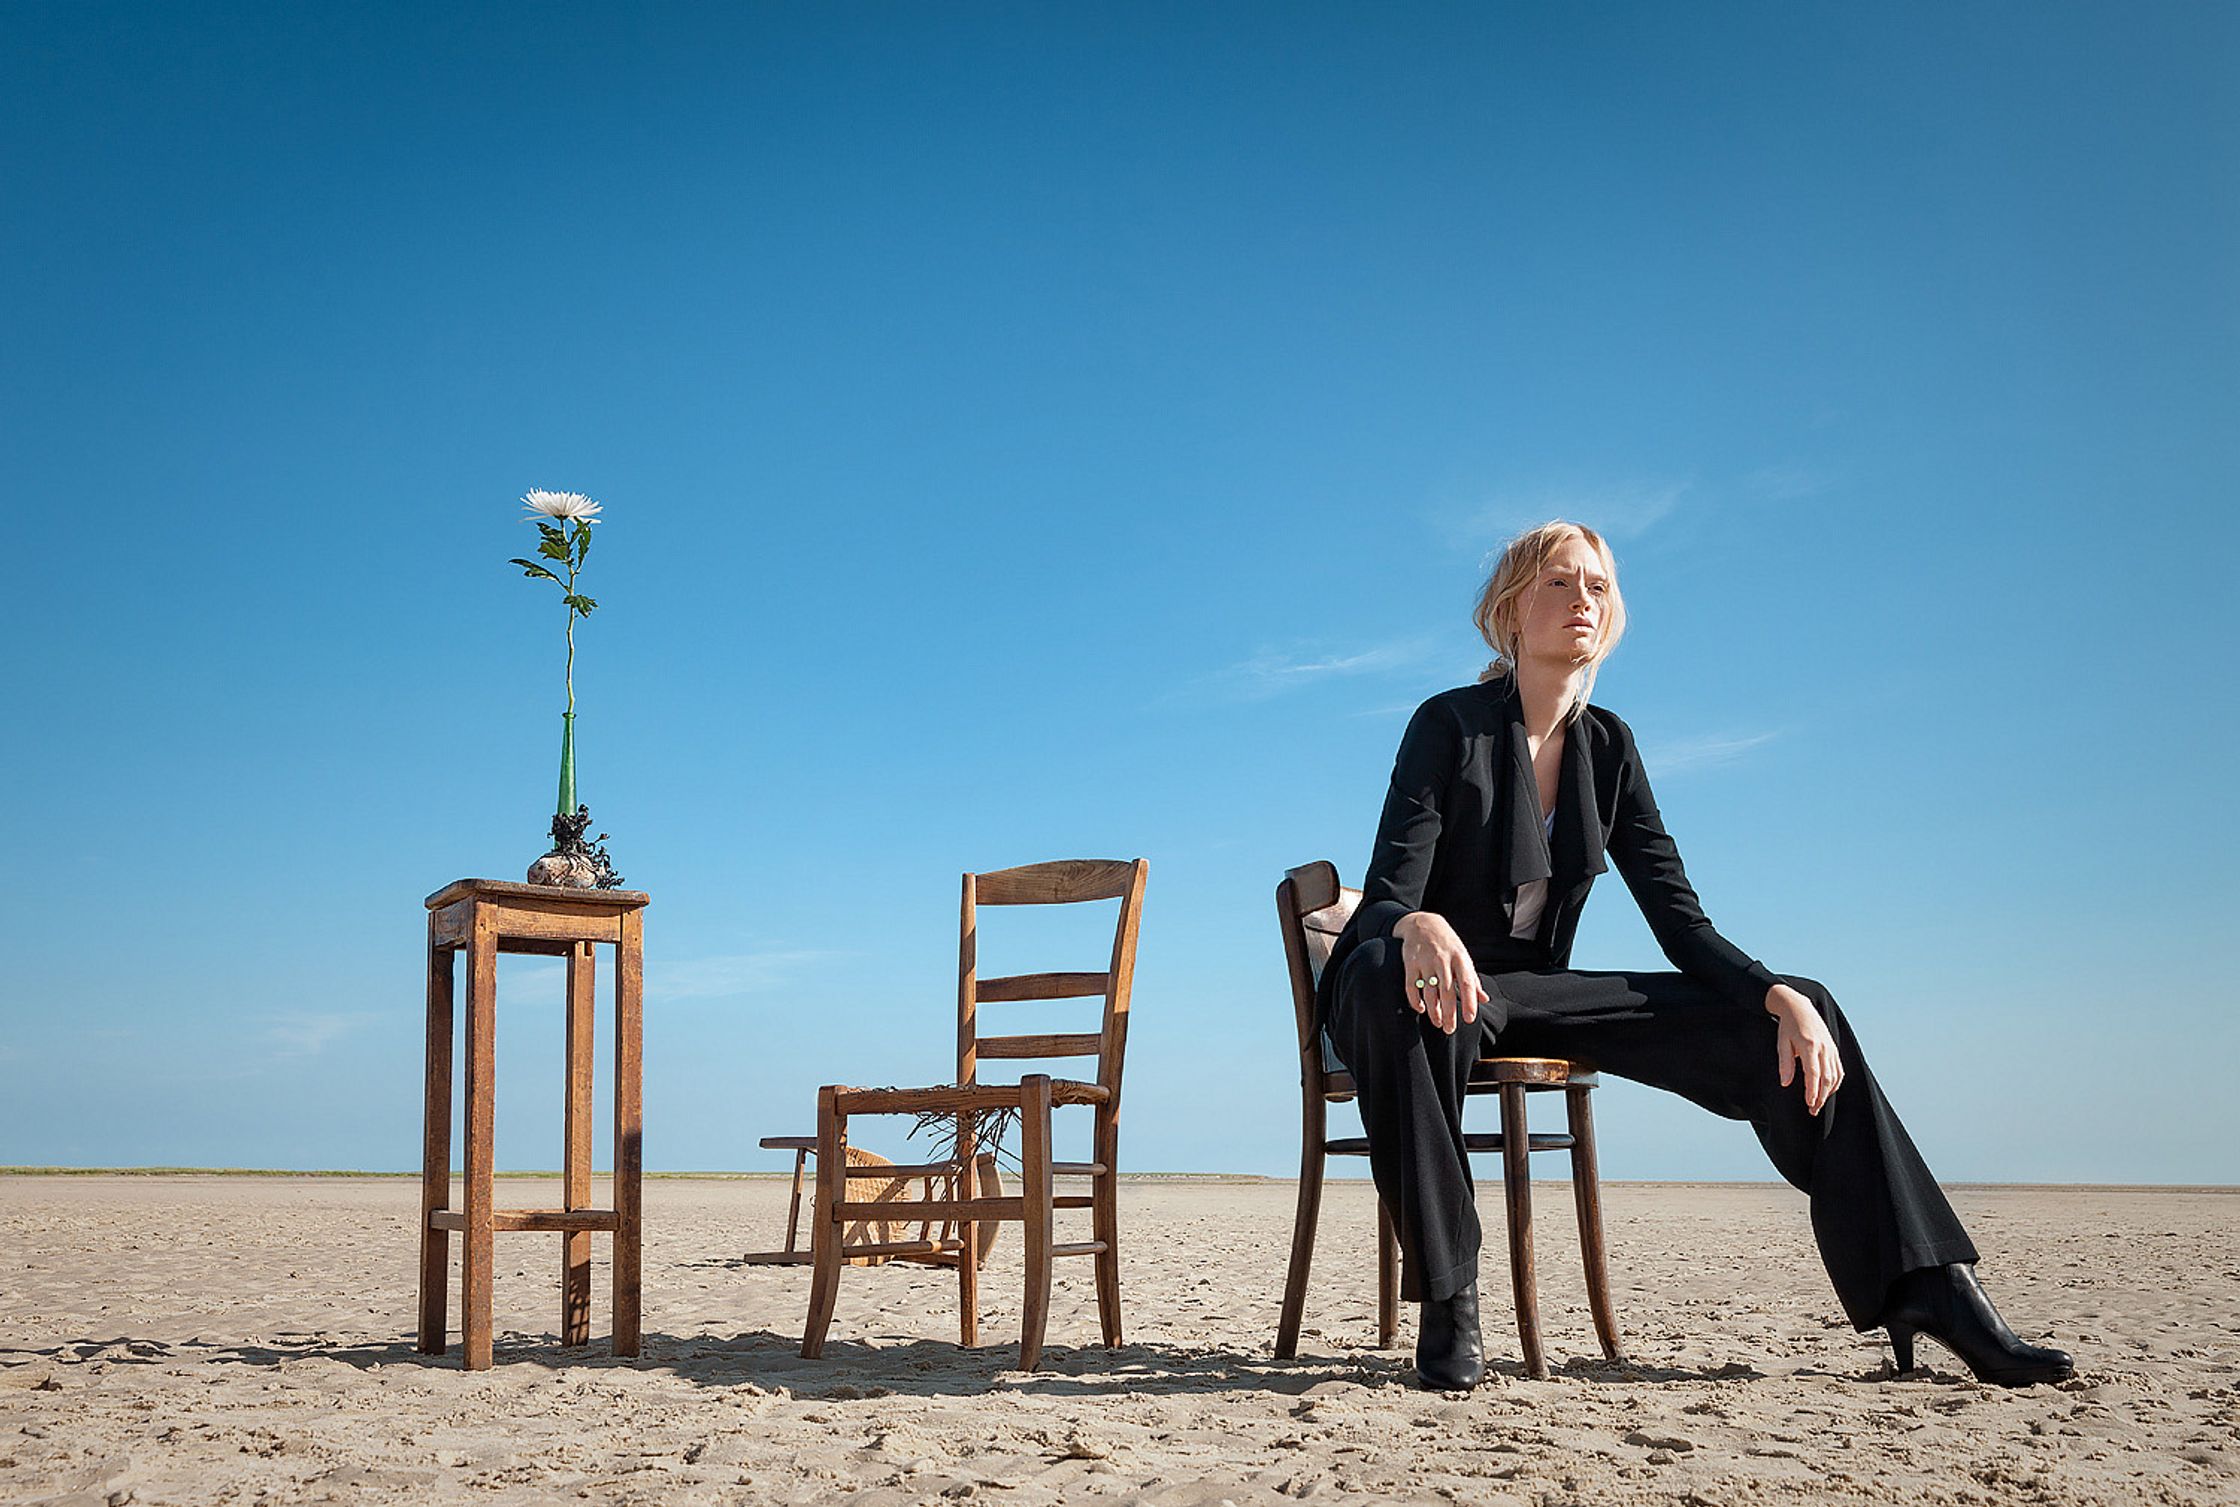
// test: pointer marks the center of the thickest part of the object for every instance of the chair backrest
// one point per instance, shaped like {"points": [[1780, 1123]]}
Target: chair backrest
{"points": [[1313, 909], [1067, 882]]}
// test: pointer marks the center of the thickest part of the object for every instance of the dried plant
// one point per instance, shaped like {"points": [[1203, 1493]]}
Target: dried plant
{"points": [[988, 1129]]}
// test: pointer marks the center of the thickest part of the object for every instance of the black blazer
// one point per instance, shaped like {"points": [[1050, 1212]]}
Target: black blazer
{"points": [[1461, 831]]}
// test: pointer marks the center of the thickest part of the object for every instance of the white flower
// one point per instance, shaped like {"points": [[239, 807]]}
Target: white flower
{"points": [[565, 506]]}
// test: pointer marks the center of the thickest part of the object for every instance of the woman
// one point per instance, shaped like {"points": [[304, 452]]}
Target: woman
{"points": [[1505, 797]]}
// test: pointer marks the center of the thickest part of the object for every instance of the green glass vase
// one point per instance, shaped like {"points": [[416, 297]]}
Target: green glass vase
{"points": [[567, 764]]}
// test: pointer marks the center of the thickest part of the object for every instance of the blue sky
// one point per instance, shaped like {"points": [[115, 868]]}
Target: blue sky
{"points": [[1030, 432]]}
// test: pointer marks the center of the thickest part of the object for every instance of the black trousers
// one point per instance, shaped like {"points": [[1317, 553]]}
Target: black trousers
{"points": [[1876, 1211]]}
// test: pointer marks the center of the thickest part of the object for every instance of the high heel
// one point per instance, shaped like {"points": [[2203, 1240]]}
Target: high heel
{"points": [[1949, 1305], [1901, 1346], [1449, 1355]]}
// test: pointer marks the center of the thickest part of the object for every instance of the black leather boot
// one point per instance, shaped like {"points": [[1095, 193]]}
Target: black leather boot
{"points": [[1449, 1355], [1949, 1305]]}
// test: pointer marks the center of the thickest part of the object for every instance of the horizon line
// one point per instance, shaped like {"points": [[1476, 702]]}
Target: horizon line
{"points": [[1210, 1177]]}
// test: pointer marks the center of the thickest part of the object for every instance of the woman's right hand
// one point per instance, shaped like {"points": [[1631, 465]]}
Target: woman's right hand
{"points": [[1442, 982]]}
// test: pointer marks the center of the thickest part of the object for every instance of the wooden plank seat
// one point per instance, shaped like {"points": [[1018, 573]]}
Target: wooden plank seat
{"points": [[1489, 1072]]}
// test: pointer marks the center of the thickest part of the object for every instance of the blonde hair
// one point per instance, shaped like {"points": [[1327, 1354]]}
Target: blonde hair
{"points": [[1522, 560]]}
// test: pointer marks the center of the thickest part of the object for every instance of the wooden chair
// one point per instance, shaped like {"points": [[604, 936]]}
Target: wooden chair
{"points": [[885, 1186], [1031, 1100], [1313, 908]]}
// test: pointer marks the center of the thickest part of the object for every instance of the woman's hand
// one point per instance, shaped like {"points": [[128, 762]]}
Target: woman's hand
{"points": [[1804, 1043], [1442, 982]]}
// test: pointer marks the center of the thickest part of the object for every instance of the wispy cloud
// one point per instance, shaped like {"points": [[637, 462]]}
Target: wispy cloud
{"points": [[1273, 672], [1681, 755], [307, 1033], [1617, 510], [1786, 483]]}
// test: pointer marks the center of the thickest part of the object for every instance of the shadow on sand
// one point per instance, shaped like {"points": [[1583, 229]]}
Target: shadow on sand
{"points": [[853, 1369]]}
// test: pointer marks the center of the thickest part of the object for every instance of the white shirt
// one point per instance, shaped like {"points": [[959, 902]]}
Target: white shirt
{"points": [[1532, 898]]}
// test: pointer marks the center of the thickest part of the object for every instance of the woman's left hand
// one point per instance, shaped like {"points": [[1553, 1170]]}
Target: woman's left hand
{"points": [[1804, 1043]]}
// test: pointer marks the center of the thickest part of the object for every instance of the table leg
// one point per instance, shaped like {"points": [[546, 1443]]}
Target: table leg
{"points": [[435, 1154], [482, 1059], [575, 1246], [629, 1132]]}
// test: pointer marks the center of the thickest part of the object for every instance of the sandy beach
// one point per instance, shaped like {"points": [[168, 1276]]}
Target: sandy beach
{"points": [[206, 1339]]}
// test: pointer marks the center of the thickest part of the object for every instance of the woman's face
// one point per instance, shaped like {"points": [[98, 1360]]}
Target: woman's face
{"points": [[1561, 615]]}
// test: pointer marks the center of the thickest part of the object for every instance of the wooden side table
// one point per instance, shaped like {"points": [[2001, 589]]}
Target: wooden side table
{"points": [[482, 918]]}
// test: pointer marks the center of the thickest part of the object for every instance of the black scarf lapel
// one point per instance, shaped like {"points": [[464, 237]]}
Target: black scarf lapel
{"points": [[1570, 857], [1526, 852], [1579, 838]]}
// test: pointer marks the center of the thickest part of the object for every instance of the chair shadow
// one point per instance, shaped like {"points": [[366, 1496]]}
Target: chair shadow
{"points": [[848, 1368], [126, 1350], [856, 1369]]}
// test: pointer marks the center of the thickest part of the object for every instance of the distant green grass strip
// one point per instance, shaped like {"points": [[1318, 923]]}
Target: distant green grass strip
{"points": [[1130, 1177], [194, 1172], [2229, 1189], [315, 1172]]}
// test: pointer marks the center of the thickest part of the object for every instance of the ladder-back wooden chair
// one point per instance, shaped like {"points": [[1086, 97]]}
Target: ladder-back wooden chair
{"points": [[1031, 1100], [1313, 908]]}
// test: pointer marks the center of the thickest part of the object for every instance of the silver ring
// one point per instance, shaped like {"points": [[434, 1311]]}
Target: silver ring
{"points": [[1433, 981]]}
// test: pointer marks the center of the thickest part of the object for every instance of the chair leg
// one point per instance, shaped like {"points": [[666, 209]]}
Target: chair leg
{"points": [[1586, 1187], [1516, 1182], [1303, 1226], [793, 1206], [824, 1233], [1104, 1216], [968, 1244], [1388, 1279], [1035, 1172], [931, 1187], [990, 1184]]}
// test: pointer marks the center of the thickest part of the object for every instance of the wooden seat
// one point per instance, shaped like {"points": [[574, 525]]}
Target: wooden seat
{"points": [[973, 1103], [1313, 909]]}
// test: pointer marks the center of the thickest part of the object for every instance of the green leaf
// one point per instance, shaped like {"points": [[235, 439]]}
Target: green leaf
{"points": [[551, 532], [583, 543], [554, 549], [581, 604], [532, 569]]}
